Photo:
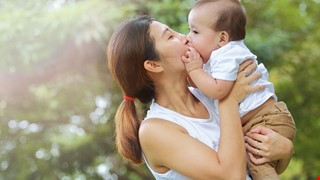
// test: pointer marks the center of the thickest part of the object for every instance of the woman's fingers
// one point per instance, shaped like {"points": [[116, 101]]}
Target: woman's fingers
{"points": [[254, 77], [257, 155], [255, 88], [257, 144], [246, 65], [255, 151], [247, 68], [249, 79], [251, 68], [254, 137], [257, 160], [250, 148], [261, 130]]}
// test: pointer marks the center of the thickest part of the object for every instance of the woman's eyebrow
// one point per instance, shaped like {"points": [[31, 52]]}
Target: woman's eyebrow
{"points": [[165, 31]]}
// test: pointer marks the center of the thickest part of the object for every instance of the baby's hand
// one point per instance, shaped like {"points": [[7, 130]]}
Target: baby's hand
{"points": [[192, 60]]}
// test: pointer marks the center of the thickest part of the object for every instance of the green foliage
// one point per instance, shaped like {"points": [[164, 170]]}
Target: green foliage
{"points": [[174, 13], [33, 30], [299, 82], [58, 122], [273, 27], [301, 93], [57, 114]]}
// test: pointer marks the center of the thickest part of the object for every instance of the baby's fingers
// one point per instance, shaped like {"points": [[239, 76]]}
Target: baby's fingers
{"points": [[185, 59]]}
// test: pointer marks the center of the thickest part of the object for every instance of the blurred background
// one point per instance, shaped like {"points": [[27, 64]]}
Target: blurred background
{"points": [[57, 99]]}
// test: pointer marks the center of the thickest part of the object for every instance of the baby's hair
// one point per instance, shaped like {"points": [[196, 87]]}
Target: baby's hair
{"points": [[231, 17]]}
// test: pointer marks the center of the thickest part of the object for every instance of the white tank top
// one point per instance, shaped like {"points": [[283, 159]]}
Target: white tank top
{"points": [[204, 130]]}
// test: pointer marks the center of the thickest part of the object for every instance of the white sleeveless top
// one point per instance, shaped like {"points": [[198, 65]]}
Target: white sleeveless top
{"points": [[204, 130]]}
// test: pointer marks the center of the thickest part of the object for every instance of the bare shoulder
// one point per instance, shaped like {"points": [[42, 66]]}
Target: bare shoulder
{"points": [[167, 145], [155, 128], [158, 139]]}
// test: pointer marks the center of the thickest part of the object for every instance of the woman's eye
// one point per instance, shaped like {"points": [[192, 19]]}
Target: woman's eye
{"points": [[170, 37], [196, 32]]}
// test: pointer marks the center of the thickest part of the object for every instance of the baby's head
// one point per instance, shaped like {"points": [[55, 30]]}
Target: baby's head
{"points": [[213, 23]]}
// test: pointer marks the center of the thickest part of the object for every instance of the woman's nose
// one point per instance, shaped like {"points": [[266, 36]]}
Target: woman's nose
{"points": [[184, 39], [188, 38]]}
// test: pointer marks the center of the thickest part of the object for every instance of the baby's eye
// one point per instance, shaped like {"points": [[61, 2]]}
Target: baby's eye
{"points": [[170, 37], [196, 32]]}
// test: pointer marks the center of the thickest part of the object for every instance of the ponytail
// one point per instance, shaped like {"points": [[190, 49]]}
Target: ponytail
{"points": [[129, 47], [127, 125]]}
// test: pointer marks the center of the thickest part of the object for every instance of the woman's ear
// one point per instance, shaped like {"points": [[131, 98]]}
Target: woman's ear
{"points": [[152, 66], [223, 38]]}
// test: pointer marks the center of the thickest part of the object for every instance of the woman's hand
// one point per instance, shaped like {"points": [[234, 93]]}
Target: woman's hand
{"points": [[242, 87], [265, 145]]}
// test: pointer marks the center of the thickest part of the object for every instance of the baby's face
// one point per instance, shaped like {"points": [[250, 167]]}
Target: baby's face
{"points": [[202, 36]]}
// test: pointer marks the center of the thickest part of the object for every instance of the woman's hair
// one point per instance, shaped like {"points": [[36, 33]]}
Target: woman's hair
{"points": [[129, 47], [231, 18]]}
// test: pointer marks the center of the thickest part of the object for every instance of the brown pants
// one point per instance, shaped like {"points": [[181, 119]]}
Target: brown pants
{"points": [[276, 117]]}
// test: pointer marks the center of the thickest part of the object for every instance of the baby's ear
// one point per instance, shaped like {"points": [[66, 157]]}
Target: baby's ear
{"points": [[224, 38]]}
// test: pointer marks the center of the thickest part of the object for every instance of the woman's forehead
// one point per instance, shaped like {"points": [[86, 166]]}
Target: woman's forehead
{"points": [[157, 29]]}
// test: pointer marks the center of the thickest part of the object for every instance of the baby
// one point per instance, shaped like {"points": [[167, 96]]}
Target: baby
{"points": [[217, 31]]}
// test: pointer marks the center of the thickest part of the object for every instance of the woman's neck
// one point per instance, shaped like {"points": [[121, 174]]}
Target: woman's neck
{"points": [[179, 99]]}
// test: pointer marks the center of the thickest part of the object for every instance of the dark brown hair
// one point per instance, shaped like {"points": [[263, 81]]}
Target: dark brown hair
{"points": [[231, 18], [129, 47]]}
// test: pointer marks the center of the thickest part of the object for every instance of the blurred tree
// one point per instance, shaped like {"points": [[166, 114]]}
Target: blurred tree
{"points": [[300, 90], [56, 97], [285, 36], [57, 101]]}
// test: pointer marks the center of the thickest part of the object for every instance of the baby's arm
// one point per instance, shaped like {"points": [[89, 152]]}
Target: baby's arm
{"points": [[211, 87], [191, 83]]}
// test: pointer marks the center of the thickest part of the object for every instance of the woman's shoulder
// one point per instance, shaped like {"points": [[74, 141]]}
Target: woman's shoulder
{"points": [[155, 134], [157, 126], [154, 130]]}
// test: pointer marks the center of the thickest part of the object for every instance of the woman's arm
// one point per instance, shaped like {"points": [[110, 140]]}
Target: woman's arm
{"points": [[270, 146], [229, 111], [168, 146]]}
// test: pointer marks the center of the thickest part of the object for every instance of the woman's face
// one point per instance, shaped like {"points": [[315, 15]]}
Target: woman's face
{"points": [[170, 44]]}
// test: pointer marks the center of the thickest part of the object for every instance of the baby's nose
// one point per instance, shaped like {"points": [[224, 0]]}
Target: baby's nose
{"points": [[184, 39]]}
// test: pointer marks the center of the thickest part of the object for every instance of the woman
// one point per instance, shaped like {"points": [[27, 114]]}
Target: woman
{"points": [[181, 133]]}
